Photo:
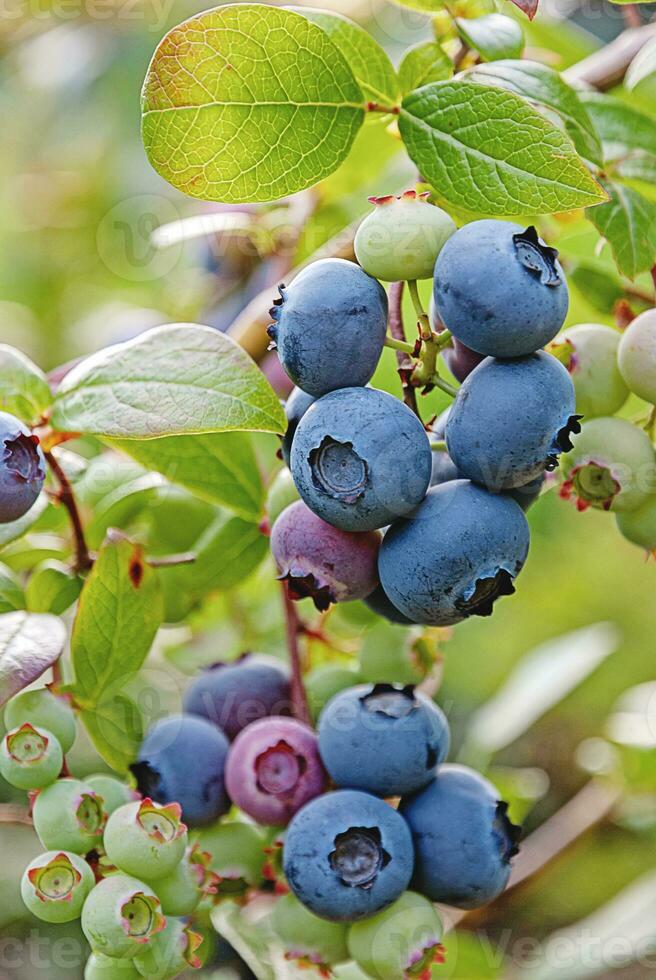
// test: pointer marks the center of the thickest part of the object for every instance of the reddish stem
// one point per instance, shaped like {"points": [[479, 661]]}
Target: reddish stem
{"points": [[83, 560], [292, 630], [397, 330]]}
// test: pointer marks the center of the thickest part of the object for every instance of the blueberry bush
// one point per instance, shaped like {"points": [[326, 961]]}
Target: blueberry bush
{"points": [[238, 576]]}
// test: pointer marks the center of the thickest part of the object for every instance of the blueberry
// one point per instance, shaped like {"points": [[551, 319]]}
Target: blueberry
{"points": [[458, 553], [69, 816], [511, 420], [121, 916], [329, 326], [637, 356], [380, 603], [360, 459], [306, 938], [463, 838], [236, 693], [402, 237], [169, 952], [499, 289], [348, 855], [322, 562], [589, 352], [22, 468], [114, 793], [237, 856], [191, 880], [55, 885], [403, 941], [43, 709], [30, 758], [146, 838], [461, 360], [612, 466], [182, 760], [102, 967], [273, 769], [295, 408], [382, 739]]}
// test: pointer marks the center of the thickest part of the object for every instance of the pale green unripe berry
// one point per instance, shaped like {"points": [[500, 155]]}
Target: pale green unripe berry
{"points": [[402, 237], [403, 941], [146, 839], [101, 967], [170, 953], [181, 891], [69, 816], [114, 793], [323, 683], [55, 885], [43, 709], [589, 352], [282, 493], [639, 526], [612, 466], [306, 937], [396, 655], [237, 851], [30, 758], [637, 356], [121, 915]]}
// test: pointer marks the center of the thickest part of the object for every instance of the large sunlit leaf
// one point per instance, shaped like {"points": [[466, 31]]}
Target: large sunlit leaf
{"points": [[488, 151], [494, 36], [628, 223], [24, 390], [544, 87], [30, 643], [248, 102], [172, 380]]}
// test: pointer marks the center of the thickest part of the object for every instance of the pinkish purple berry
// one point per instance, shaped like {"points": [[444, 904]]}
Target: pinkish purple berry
{"points": [[273, 769], [320, 561]]}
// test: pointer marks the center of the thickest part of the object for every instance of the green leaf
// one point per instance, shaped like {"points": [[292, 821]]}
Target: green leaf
{"points": [[173, 380], [122, 505], [115, 727], [52, 588], [600, 289], [30, 643], [24, 390], [119, 613], [494, 36], [422, 64], [488, 151], [16, 529], [371, 67], [621, 128], [11, 593], [628, 223], [546, 89], [641, 73], [248, 103], [219, 468]]}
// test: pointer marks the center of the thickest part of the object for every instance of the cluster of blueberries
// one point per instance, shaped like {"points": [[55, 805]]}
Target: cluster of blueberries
{"points": [[350, 864], [423, 536]]}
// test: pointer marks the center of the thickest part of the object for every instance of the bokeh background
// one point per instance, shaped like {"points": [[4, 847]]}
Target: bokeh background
{"points": [[79, 270]]}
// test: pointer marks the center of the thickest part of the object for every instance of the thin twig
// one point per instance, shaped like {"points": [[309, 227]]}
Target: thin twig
{"points": [[292, 630], [403, 360], [170, 561], [83, 560], [12, 813], [607, 67]]}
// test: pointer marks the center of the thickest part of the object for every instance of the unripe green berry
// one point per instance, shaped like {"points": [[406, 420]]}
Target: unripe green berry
{"points": [[403, 941], [396, 655], [43, 709], [307, 938], [589, 352], [121, 915], [181, 891], [55, 885], [146, 839], [69, 816], [237, 851], [636, 356], [30, 758], [612, 466], [639, 526], [322, 683], [114, 793], [402, 237], [170, 953], [101, 967], [282, 493]]}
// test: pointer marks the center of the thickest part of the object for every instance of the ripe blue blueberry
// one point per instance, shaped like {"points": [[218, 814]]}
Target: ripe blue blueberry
{"points": [[511, 420], [455, 556], [347, 855], [22, 468], [463, 838], [319, 561], [295, 408], [329, 326], [236, 693], [499, 289], [380, 603], [382, 739], [182, 760], [360, 459]]}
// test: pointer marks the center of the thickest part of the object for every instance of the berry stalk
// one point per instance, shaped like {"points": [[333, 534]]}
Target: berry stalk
{"points": [[83, 560]]}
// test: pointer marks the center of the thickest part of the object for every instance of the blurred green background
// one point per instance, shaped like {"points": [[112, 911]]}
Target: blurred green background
{"points": [[78, 271]]}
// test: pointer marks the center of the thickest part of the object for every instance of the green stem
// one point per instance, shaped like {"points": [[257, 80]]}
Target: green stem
{"points": [[443, 339], [439, 446], [401, 345], [443, 385], [422, 318]]}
